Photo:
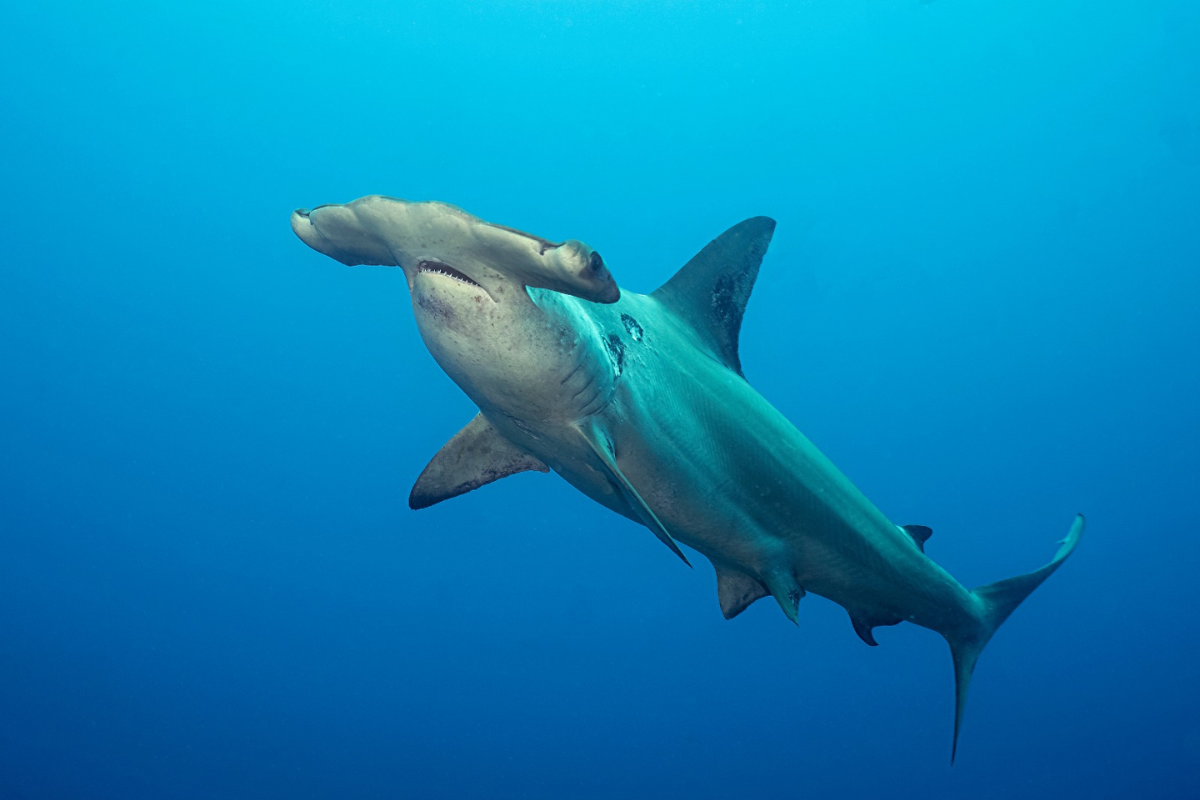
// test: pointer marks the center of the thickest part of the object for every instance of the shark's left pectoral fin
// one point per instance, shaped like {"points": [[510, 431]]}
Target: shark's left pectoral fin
{"points": [[603, 452], [476, 456]]}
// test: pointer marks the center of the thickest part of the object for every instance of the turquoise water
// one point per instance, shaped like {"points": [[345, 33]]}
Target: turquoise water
{"points": [[981, 302]]}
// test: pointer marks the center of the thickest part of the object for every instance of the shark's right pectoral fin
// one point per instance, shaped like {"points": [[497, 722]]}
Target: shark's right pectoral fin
{"points": [[632, 498], [476, 456]]}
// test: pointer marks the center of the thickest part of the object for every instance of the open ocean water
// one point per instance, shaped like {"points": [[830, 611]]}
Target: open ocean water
{"points": [[981, 302]]}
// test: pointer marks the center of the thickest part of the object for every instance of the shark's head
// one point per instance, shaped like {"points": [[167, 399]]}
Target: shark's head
{"points": [[480, 292], [418, 237]]}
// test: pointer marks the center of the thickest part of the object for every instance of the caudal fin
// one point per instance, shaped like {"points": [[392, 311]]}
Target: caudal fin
{"points": [[999, 600]]}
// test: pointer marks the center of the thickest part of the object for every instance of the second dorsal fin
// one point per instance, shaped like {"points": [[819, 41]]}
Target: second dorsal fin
{"points": [[710, 292], [919, 533]]}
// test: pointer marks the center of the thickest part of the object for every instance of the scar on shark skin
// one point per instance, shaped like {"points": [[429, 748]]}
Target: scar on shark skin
{"points": [[632, 327], [543, 363], [616, 352]]}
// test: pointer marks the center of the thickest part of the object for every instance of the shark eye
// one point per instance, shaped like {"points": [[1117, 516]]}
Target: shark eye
{"points": [[595, 263]]}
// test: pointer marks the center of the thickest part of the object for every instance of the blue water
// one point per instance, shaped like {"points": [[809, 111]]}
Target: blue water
{"points": [[981, 302]]}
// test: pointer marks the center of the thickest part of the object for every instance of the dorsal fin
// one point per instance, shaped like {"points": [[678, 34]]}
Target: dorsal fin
{"points": [[476, 456], [736, 591], [711, 290], [919, 533]]}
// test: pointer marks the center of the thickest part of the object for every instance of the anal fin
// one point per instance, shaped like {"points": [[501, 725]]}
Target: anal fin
{"points": [[476, 456], [736, 591], [863, 627], [635, 501]]}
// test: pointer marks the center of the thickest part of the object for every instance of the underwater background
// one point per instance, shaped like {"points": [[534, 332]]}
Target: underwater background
{"points": [[981, 302]]}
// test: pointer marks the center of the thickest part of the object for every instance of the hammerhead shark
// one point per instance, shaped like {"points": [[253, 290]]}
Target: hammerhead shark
{"points": [[639, 402]]}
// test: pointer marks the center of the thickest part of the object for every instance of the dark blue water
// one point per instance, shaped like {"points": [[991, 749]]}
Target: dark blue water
{"points": [[981, 302]]}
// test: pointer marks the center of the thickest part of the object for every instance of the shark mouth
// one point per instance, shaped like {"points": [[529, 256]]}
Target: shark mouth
{"points": [[447, 270]]}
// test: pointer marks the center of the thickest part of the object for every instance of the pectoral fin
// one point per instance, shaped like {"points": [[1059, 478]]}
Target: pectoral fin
{"points": [[604, 452], [476, 456]]}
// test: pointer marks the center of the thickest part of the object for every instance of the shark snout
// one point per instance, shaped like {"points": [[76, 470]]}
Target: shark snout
{"points": [[304, 228], [338, 232]]}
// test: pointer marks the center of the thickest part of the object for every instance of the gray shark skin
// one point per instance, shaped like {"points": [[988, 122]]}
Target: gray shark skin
{"points": [[639, 402]]}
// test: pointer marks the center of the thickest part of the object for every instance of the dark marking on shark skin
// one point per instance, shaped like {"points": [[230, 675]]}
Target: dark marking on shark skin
{"points": [[634, 329], [726, 299], [616, 352], [435, 308]]}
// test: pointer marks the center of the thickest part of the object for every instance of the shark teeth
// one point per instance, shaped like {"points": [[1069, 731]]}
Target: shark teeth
{"points": [[447, 270]]}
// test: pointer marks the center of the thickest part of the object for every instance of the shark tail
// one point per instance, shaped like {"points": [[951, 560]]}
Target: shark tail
{"points": [[998, 600]]}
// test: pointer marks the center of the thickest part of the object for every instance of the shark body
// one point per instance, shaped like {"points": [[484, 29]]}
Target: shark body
{"points": [[639, 402]]}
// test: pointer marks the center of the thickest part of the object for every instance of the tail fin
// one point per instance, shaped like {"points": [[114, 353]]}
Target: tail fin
{"points": [[999, 600]]}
